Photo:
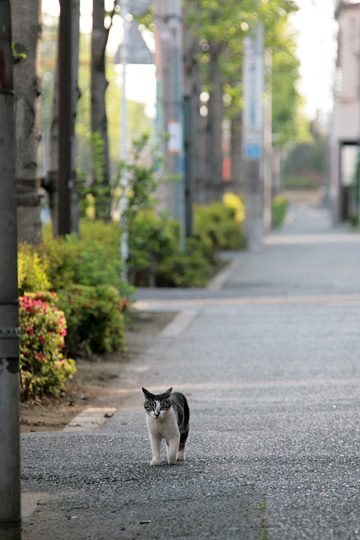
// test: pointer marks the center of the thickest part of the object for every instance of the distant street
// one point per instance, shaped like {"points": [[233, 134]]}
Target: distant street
{"points": [[271, 367]]}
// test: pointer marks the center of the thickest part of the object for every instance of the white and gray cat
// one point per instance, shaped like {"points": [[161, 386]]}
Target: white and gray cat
{"points": [[167, 417]]}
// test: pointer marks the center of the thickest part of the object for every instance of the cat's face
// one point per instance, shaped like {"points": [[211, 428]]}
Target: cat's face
{"points": [[157, 405]]}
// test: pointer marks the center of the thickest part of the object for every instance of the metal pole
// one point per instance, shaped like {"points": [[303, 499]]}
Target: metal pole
{"points": [[9, 325], [177, 118], [268, 151], [124, 242], [168, 30], [189, 174], [65, 111], [253, 139]]}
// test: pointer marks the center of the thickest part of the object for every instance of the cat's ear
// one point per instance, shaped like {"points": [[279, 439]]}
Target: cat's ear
{"points": [[147, 394], [168, 392]]}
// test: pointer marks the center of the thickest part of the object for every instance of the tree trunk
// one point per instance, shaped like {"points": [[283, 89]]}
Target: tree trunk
{"points": [[236, 153], [75, 96], [51, 180], [192, 88], [99, 130], [201, 196], [26, 28], [214, 129], [9, 323], [191, 79]]}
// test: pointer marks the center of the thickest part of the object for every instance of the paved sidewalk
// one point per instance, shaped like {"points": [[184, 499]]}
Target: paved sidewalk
{"points": [[271, 366]]}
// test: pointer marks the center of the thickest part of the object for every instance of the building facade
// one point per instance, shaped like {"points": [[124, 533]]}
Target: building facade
{"points": [[344, 141]]}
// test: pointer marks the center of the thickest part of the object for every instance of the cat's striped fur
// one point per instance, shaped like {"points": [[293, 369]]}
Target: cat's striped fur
{"points": [[167, 417]]}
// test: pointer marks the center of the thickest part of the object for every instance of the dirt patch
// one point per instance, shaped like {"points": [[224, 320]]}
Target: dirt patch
{"points": [[97, 380]]}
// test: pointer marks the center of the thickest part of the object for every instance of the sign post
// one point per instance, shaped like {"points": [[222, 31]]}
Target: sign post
{"points": [[9, 320], [253, 136], [168, 36]]}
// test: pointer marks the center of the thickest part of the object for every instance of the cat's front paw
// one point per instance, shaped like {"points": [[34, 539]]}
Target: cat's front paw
{"points": [[180, 456], [172, 461], [155, 461]]}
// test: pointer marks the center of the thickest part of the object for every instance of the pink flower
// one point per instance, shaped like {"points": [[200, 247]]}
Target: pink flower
{"points": [[41, 357], [41, 339]]}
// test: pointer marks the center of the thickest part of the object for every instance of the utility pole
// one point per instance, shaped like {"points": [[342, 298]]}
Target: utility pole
{"points": [[268, 148], [191, 100], [253, 139], [9, 324], [75, 95], [65, 180], [168, 35], [189, 161], [124, 236]]}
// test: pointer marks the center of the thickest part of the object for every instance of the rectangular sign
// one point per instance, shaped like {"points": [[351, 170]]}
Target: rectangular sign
{"points": [[253, 84], [252, 151], [175, 140]]}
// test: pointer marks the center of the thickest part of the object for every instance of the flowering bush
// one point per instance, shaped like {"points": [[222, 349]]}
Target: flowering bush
{"points": [[231, 200], [43, 368]]}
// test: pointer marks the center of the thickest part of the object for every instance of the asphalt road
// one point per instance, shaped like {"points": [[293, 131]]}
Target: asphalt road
{"points": [[271, 368]]}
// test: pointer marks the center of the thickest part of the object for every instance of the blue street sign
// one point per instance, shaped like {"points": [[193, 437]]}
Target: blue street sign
{"points": [[252, 151], [253, 79]]}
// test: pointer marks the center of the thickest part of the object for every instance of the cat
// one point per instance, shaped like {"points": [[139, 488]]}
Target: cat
{"points": [[167, 417]]}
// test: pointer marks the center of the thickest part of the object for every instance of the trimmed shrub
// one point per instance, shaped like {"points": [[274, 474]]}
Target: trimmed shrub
{"points": [[95, 318], [154, 245], [217, 228], [43, 368], [279, 208], [32, 270], [90, 260], [191, 268], [155, 256], [152, 239]]}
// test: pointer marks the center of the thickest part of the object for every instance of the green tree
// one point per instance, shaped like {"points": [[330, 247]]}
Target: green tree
{"points": [[138, 121], [219, 29]]}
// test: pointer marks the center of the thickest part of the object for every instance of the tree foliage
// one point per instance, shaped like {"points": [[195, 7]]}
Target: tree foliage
{"points": [[222, 27]]}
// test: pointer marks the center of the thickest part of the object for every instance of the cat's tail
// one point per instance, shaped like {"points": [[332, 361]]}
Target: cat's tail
{"points": [[184, 434], [183, 439]]}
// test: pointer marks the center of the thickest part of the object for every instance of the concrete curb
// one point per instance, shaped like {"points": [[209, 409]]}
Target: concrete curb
{"points": [[218, 281], [89, 419], [179, 323]]}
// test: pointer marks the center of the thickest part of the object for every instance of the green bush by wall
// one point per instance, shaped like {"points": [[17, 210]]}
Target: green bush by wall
{"points": [[95, 317]]}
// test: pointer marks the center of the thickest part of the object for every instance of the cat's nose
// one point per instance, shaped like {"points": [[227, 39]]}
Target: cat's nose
{"points": [[157, 414]]}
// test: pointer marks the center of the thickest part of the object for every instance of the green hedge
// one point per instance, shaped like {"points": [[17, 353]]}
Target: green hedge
{"points": [[91, 259], [154, 244], [95, 317], [279, 208], [32, 270], [217, 228]]}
